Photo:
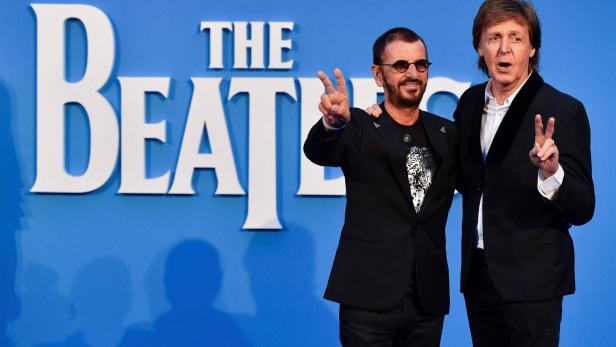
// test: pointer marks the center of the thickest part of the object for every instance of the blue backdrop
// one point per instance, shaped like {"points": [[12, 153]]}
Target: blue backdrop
{"points": [[102, 268]]}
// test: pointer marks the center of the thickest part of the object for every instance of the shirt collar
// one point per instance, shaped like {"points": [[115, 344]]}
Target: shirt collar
{"points": [[488, 92]]}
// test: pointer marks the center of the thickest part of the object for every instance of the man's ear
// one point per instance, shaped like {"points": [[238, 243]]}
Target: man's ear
{"points": [[378, 75]]}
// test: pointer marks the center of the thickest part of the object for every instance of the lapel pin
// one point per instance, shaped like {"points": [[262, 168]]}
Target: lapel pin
{"points": [[376, 125], [443, 130]]}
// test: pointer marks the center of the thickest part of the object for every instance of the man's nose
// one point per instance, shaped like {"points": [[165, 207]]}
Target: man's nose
{"points": [[411, 71], [505, 46]]}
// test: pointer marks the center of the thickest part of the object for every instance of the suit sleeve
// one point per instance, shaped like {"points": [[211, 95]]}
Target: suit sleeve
{"points": [[576, 196], [453, 140], [457, 118], [330, 148]]}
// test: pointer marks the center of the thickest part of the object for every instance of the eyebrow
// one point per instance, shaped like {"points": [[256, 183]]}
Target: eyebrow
{"points": [[499, 33]]}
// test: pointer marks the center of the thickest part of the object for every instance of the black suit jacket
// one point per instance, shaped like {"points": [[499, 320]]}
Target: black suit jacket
{"points": [[382, 236], [528, 249]]}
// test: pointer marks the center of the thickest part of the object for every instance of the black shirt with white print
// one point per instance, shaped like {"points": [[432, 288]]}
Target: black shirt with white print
{"points": [[420, 162]]}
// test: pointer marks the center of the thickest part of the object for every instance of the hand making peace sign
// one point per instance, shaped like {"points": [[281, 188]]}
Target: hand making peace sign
{"points": [[334, 103], [544, 155]]}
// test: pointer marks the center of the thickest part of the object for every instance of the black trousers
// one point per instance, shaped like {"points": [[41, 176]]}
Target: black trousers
{"points": [[403, 325], [495, 322]]}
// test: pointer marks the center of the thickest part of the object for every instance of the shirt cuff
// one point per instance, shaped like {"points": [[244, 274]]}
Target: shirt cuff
{"points": [[549, 186], [331, 128]]}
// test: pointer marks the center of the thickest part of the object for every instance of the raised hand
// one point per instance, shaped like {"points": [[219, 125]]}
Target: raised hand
{"points": [[544, 155], [374, 110], [334, 103]]}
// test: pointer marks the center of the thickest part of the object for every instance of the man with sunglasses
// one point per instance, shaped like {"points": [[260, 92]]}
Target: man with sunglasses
{"points": [[517, 254], [390, 273]]}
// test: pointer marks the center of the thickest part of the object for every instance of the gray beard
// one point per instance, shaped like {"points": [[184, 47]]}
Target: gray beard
{"points": [[398, 101]]}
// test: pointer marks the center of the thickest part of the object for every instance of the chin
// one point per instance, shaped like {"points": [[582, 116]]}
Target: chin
{"points": [[503, 79], [414, 102]]}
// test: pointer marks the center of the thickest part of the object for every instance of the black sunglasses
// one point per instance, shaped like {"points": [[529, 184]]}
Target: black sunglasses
{"points": [[401, 66]]}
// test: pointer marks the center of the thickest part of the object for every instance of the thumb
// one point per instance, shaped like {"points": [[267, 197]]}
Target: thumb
{"points": [[535, 149]]}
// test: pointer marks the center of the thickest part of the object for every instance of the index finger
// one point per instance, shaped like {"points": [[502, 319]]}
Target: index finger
{"points": [[340, 81], [329, 86], [538, 128], [550, 128]]}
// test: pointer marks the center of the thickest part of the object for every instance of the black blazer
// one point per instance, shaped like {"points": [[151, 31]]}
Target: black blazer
{"points": [[382, 236], [528, 249]]}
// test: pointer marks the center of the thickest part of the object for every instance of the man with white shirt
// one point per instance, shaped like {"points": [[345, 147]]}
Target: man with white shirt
{"points": [[522, 187]]}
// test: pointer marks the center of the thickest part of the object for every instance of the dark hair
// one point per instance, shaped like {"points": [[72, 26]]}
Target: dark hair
{"points": [[498, 11], [391, 35]]}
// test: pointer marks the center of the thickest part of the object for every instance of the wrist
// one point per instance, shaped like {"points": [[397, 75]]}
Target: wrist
{"points": [[334, 127], [547, 173]]}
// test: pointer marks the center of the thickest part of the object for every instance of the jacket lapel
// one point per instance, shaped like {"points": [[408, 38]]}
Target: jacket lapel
{"points": [[389, 133], [475, 125], [513, 118], [436, 135]]}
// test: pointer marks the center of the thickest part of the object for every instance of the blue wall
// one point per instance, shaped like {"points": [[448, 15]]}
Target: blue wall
{"points": [[102, 268]]}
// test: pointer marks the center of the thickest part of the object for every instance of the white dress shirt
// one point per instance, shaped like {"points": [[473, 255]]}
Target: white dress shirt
{"points": [[493, 115]]}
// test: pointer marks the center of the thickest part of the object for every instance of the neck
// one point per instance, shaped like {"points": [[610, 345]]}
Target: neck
{"points": [[403, 115], [502, 91]]}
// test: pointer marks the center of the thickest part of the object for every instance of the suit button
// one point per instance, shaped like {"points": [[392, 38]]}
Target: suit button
{"points": [[417, 226], [479, 189]]}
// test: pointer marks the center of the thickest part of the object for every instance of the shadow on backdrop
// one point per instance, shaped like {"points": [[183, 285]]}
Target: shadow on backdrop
{"points": [[10, 214], [101, 297], [290, 309], [192, 281], [45, 313]]}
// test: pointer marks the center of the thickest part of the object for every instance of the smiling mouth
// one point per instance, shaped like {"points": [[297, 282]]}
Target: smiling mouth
{"points": [[410, 87], [411, 83]]}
